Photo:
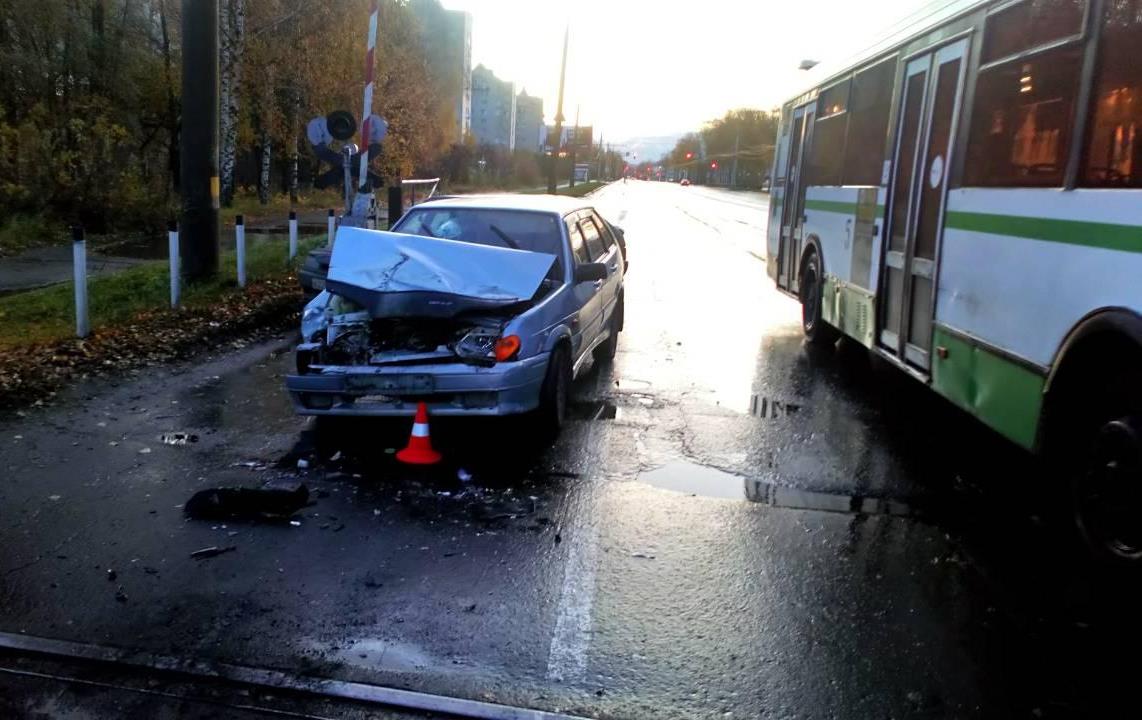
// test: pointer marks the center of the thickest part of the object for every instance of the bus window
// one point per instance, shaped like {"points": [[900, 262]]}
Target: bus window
{"points": [[868, 124], [1022, 120], [1114, 146], [1030, 24], [826, 149]]}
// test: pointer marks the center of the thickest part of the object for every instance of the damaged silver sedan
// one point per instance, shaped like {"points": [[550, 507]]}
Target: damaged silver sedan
{"points": [[477, 306]]}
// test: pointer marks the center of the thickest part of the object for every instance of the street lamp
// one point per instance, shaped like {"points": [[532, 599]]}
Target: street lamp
{"points": [[808, 64]]}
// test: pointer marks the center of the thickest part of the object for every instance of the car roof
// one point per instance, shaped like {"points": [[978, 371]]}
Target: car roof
{"points": [[507, 201]]}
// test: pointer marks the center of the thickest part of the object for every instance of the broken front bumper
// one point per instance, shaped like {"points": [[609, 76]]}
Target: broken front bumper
{"points": [[453, 388]]}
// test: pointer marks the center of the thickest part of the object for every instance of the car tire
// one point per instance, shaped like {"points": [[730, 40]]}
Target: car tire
{"points": [[605, 351], [816, 330], [554, 394]]}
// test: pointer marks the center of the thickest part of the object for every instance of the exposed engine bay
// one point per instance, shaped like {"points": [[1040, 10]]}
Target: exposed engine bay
{"points": [[349, 336], [395, 299]]}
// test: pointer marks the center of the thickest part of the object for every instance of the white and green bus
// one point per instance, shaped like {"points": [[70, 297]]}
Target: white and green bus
{"points": [[966, 201]]}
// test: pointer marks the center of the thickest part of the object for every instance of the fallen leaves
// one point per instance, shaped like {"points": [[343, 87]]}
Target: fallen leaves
{"points": [[31, 373]]}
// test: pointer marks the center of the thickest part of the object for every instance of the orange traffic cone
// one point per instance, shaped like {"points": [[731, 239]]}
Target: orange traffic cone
{"points": [[419, 450]]}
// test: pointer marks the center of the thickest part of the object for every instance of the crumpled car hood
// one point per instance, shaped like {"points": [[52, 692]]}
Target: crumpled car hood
{"points": [[396, 275]]}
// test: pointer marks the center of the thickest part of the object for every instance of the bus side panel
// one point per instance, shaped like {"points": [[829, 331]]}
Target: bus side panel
{"points": [[1005, 395], [1019, 268], [844, 220]]}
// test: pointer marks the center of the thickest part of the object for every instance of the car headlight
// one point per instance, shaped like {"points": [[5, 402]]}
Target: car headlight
{"points": [[477, 345], [313, 318]]}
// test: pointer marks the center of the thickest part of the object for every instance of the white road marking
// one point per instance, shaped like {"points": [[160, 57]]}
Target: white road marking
{"points": [[567, 659]]}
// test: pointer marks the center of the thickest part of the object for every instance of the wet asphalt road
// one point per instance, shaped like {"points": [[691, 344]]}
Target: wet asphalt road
{"points": [[733, 526]]}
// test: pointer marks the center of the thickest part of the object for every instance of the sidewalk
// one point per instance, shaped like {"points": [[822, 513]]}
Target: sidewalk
{"points": [[52, 264]]}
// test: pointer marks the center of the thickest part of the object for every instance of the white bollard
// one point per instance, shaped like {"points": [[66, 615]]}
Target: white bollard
{"points": [[332, 226], [172, 241], [79, 260], [292, 234], [240, 245]]}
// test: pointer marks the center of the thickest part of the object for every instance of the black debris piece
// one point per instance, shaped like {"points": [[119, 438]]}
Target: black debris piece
{"points": [[268, 502], [212, 551]]}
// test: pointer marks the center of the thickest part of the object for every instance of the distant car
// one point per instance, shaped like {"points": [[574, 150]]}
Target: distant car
{"points": [[685, 182], [477, 306]]}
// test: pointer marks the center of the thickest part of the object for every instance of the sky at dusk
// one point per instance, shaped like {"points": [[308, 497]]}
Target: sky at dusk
{"points": [[657, 67]]}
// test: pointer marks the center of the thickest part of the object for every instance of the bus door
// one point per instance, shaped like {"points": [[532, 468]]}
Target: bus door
{"points": [[930, 103], [793, 207]]}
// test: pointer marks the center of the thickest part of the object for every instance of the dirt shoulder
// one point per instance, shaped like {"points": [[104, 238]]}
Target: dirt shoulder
{"points": [[32, 374]]}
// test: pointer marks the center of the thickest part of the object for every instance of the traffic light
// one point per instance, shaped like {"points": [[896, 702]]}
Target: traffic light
{"points": [[714, 165], [689, 156]]}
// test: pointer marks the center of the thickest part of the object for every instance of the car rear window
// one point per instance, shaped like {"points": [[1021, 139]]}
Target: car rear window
{"points": [[604, 230], [516, 229]]}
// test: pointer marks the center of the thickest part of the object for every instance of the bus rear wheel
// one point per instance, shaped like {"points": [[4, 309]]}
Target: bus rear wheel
{"points": [[1107, 491], [816, 330]]}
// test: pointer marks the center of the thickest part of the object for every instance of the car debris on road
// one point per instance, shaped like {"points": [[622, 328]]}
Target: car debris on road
{"points": [[269, 502], [212, 551]]}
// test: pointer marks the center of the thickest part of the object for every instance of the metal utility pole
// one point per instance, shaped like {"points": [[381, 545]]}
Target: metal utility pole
{"points": [[734, 167], [574, 144], [198, 142], [551, 185], [598, 152]]}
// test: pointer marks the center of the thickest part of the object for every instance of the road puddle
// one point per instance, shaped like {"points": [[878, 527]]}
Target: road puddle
{"points": [[700, 480], [693, 479]]}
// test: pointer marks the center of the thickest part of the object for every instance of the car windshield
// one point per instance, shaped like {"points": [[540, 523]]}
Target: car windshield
{"points": [[515, 229]]}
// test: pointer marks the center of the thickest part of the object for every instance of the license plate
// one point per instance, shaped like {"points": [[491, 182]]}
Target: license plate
{"points": [[392, 384], [318, 283]]}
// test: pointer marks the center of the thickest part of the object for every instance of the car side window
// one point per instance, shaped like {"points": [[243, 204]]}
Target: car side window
{"points": [[578, 247], [604, 230], [593, 239]]}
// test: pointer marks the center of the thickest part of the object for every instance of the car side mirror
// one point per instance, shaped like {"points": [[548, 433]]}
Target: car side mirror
{"points": [[590, 272]]}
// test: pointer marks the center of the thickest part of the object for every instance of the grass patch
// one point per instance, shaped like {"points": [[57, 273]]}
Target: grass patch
{"points": [[248, 205], [48, 314], [24, 231], [579, 190]]}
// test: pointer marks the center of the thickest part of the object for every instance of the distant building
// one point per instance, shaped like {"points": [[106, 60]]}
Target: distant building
{"points": [[493, 109], [529, 126], [448, 35]]}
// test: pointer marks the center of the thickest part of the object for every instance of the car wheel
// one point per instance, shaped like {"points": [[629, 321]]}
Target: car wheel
{"points": [[816, 330], [605, 351], [553, 395]]}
